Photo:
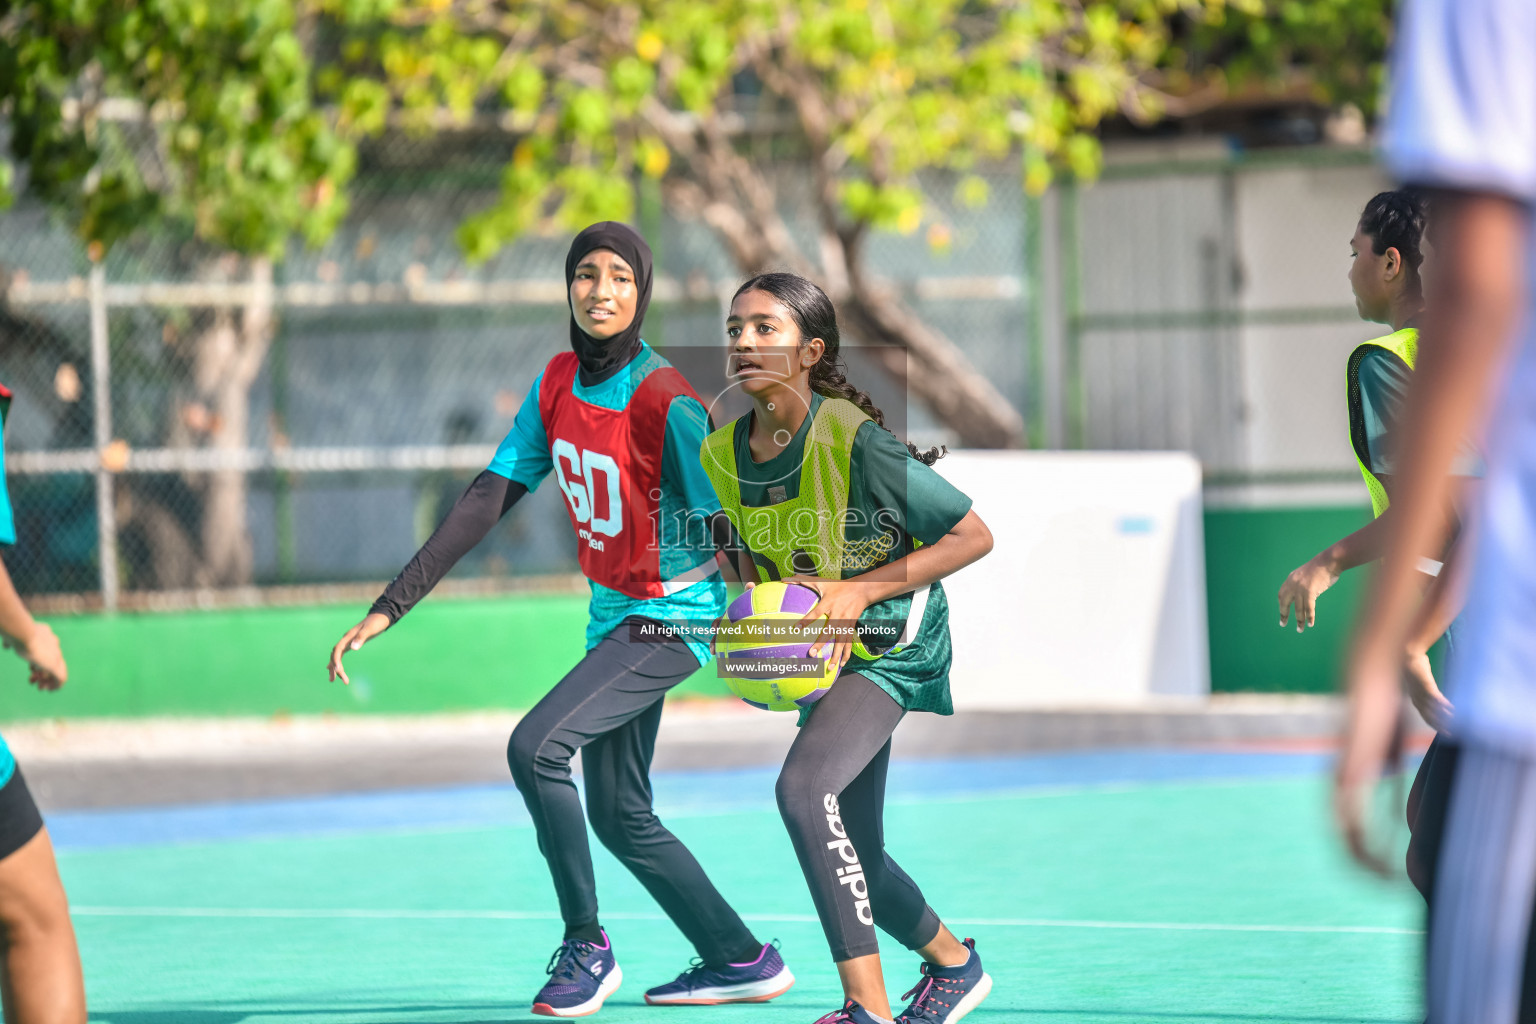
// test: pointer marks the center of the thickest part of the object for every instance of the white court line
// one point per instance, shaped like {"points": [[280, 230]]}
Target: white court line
{"points": [[354, 913]]}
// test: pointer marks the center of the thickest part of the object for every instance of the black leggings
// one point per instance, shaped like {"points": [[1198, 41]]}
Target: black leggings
{"points": [[832, 796], [1428, 800], [609, 708]]}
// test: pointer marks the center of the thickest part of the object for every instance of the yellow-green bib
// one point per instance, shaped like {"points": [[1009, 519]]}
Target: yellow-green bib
{"points": [[804, 535], [1403, 344]]}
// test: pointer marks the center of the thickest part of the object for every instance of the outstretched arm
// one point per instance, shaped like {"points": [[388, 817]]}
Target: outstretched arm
{"points": [[478, 509]]}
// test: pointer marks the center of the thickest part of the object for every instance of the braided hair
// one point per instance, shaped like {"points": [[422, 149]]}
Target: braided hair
{"points": [[815, 316]]}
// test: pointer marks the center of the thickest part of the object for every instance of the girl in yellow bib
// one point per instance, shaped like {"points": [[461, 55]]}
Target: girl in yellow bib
{"points": [[820, 494], [1386, 251], [1386, 274]]}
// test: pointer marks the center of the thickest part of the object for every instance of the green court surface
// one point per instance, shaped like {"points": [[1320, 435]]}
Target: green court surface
{"points": [[1106, 889]]}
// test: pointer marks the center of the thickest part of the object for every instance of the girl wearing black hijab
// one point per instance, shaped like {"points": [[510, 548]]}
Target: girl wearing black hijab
{"points": [[620, 429]]}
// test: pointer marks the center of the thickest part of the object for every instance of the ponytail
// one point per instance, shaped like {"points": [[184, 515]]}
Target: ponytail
{"points": [[815, 316]]}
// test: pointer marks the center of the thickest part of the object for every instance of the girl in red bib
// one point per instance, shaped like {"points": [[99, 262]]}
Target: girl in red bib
{"points": [[620, 431]]}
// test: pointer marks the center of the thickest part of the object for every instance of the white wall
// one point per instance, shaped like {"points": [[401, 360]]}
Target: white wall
{"points": [[1293, 231], [1094, 592], [1218, 315]]}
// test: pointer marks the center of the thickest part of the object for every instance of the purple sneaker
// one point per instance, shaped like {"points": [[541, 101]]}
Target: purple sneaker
{"points": [[581, 976], [947, 994], [755, 982]]}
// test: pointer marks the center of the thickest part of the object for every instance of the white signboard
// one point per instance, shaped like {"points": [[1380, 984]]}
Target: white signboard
{"points": [[1094, 593]]}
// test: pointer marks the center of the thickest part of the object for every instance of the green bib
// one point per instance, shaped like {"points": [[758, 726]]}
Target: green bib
{"points": [[1403, 344], [806, 535]]}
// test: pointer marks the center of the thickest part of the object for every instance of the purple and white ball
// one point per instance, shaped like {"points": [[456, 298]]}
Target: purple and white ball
{"points": [[773, 607]]}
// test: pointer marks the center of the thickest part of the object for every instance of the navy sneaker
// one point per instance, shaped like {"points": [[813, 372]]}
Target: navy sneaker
{"points": [[851, 1013], [755, 982], [581, 976], [947, 994]]}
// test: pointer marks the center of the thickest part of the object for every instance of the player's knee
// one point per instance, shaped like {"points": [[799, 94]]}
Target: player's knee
{"points": [[520, 753], [622, 833], [605, 813], [35, 913], [530, 752], [898, 909], [622, 820], [610, 832], [880, 881], [24, 922], [789, 789], [801, 802]]}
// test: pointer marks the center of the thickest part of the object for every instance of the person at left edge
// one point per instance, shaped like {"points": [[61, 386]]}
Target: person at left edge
{"points": [[40, 979], [620, 429]]}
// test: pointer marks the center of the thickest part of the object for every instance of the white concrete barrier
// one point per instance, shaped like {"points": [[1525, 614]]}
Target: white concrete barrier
{"points": [[1094, 593]]}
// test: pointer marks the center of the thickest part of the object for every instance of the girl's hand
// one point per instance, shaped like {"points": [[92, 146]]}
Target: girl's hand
{"points": [[841, 602], [1419, 681], [42, 653], [1301, 590], [353, 640], [1375, 696]]}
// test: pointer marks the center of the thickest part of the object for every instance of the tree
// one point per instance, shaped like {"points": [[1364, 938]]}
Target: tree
{"points": [[199, 115], [236, 121], [706, 97], [1334, 50]]}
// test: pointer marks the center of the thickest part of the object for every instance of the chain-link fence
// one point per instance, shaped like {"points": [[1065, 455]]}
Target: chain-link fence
{"points": [[190, 427]]}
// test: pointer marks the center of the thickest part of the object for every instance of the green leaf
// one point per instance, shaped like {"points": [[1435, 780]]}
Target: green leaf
{"points": [[258, 104], [524, 88], [588, 114]]}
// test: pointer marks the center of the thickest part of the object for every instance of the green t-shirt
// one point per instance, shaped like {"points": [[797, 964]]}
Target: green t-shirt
{"points": [[888, 492], [1384, 381]]}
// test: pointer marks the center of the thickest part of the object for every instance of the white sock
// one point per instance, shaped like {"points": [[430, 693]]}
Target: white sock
{"points": [[879, 1019]]}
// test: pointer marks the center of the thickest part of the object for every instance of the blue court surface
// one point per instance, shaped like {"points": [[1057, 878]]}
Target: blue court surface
{"points": [[1117, 887]]}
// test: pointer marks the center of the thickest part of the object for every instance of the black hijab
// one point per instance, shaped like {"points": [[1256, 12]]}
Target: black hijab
{"points": [[601, 359]]}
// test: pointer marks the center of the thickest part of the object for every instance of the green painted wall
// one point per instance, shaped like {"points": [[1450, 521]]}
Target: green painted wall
{"points": [[449, 655], [504, 652], [1248, 553]]}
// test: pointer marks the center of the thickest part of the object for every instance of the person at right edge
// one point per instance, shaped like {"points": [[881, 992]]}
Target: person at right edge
{"points": [[40, 978], [1461, 124], [1388, 276]]}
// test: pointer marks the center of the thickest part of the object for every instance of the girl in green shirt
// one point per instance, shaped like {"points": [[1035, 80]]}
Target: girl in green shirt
{"points": [[821, 495]]}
